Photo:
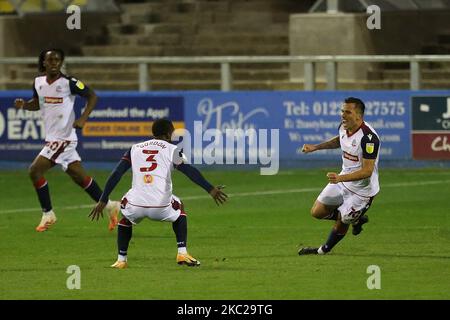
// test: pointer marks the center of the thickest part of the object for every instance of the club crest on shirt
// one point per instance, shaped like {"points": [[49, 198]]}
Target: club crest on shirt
{"points": [[58, 89], [148, 178], [370, 147], [354, 143]]}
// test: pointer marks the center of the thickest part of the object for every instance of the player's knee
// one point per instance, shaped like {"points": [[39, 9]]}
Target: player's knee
{"points": [[34, 173], [317, 210], [316, 213], [125, 222], [182, 208]]}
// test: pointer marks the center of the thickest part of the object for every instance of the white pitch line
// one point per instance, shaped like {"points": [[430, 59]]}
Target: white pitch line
{"points": [[247, 194]]}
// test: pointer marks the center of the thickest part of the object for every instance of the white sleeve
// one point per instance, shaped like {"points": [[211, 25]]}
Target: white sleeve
{"points": [[178, 156]]}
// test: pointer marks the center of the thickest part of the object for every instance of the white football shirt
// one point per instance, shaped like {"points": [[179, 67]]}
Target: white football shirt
{"points": [[152, 163], [363, 143], [56, 100]]}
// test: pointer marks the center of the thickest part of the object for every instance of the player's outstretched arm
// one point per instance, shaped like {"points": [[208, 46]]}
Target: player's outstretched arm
{"points": [[112, 182], [330, 144], [31, 105], [195, 175], [218, 195]]}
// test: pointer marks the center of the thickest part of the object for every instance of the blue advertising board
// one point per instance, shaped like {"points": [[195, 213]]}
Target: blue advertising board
{"points": [[117, 122], [304, 117], [123, 118]]}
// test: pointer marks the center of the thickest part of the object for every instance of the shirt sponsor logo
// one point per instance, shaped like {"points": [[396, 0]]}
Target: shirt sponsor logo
{"points": [[148, 178], [53, 100], [370, 147], [350, 157]]}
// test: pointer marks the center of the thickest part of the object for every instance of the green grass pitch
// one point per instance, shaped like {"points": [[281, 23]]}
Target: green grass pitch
{"points": [[248, 248]]}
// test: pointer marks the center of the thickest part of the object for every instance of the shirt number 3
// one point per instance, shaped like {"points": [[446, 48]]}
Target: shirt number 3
{"points": [[151, 159]]}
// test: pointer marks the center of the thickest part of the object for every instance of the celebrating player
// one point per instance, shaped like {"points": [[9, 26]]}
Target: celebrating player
{"points": [[349, 194], [151, 195], [54, 94]]}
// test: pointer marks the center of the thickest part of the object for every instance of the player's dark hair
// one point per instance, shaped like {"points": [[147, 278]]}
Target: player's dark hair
{"points": [[357, 102], [41, 66], [162, 127]]}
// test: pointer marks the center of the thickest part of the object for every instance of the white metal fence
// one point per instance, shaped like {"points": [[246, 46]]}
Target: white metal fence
{"points": [[309, 62]]}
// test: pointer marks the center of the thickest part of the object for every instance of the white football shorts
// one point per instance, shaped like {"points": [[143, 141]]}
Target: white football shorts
{"points": [[135, 213], [350, 205], [61, 152]]}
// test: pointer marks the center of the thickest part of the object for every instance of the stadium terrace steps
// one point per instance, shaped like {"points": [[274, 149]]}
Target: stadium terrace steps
{"points": [[261, 5], [426, 74], [189, 28], [151, 28], [138, 39], [216, 29], [236, 48], [249, 38], [122, 50], [435, 48]]}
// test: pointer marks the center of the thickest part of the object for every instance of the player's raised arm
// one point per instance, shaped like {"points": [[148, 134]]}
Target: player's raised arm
{"points": [[195, 175], [330, 144], [122, 167]]}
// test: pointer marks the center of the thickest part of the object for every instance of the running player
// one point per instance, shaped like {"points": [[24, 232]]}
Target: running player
{"points": [[54, 95]]}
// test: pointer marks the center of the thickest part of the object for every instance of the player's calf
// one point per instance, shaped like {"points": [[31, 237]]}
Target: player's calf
{"points": [[357, 226], [124, 234]]}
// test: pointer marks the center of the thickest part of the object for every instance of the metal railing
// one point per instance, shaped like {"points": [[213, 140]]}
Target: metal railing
{"points": [[225, 62]]}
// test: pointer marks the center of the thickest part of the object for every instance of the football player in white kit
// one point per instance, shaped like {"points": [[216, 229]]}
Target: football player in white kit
{"points": [[349, 194], [150, 196], [54, 95]]}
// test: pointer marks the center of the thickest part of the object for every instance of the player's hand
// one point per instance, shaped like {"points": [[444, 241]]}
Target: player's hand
{"points": [[218, 195], [333, 177], [97, 211], [307, 148], [79, 123], [19, 103]]}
